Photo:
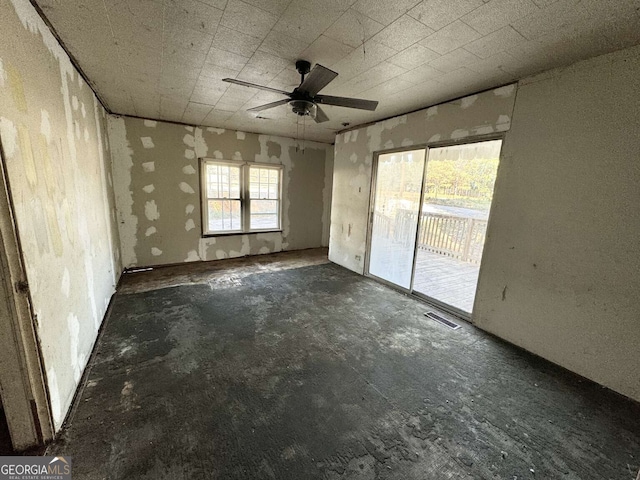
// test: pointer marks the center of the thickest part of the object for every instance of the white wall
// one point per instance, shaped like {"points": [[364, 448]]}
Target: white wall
{"points": [[564, 236], [56, 153]]}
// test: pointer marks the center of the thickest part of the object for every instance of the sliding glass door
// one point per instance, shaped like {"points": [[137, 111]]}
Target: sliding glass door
{"points": [[434, 248], [458, 190], [396, 203]]}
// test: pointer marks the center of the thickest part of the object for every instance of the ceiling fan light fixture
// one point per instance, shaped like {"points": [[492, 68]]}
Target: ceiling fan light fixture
{"points": [[303, 107]]}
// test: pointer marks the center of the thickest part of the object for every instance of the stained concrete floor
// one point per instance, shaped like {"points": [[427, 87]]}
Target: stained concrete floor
{"points": [[288, 367]]}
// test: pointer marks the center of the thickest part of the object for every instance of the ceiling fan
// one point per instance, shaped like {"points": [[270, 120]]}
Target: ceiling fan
{"points": [[304, 99]]}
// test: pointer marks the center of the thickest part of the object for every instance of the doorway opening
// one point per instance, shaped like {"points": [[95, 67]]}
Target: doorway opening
{"points": [[430, 209]]}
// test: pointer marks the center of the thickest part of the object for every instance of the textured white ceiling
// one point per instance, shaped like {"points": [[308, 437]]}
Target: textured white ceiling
{"points": [[164, 59]]}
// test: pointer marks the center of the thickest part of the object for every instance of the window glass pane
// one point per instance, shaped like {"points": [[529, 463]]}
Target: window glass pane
{"points": [[223, 181], [212, 181], [224, 215], [264, 214], [254, 182], [234, 191], [264, 183]]}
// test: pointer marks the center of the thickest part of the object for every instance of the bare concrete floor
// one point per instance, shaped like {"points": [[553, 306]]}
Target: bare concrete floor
{"points": [[289, 367]]}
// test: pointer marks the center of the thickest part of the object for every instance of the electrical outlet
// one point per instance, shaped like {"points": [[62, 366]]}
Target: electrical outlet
{"points": [[358, 258]]}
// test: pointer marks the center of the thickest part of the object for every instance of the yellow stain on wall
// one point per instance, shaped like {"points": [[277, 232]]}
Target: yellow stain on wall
{"points": [[66, 211], [27, 155], [17, 88], [46, 168], [54, 229]]}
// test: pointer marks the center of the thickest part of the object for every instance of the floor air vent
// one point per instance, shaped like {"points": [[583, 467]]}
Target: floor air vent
{"points": [[442, 320]]}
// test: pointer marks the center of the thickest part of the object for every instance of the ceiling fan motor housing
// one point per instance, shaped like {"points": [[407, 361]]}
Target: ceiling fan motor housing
{"points": [[302, 107]]}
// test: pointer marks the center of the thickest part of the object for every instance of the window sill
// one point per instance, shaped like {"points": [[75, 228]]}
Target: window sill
{"points": [[250, 232]]}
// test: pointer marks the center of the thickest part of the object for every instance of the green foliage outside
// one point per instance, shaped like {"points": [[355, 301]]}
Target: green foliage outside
{"points": [[464, 183], [461, 183]]}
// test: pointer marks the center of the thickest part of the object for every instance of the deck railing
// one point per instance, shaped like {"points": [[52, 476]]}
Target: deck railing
{"points": [[450, 235]]}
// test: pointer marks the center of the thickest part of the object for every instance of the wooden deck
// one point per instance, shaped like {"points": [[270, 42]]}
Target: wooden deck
{"points": [[438, 276], [446, 279]]}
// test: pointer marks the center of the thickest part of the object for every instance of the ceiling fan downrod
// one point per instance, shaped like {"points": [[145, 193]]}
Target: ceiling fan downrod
{"points": [[303, 67]]}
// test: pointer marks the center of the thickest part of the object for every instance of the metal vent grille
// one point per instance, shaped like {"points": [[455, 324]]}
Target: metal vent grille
{"points": [[442, 320]]}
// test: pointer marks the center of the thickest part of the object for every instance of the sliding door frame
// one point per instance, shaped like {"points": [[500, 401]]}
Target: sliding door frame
{"points": [[372, 201], [374, 174]]}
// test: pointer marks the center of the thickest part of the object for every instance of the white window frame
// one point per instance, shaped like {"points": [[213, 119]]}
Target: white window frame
{"points": [[245, 197]]}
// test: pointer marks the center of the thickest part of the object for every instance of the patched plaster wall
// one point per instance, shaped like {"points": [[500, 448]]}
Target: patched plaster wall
{"points": [[559, 275], [53, 133], [481, 114], [560, 268], [156, 176]]}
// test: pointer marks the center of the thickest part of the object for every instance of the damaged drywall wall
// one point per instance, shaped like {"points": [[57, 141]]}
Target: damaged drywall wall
{"points": [[560, 267], [485, 113], [326, 197], [53, 131], [157, 187]]}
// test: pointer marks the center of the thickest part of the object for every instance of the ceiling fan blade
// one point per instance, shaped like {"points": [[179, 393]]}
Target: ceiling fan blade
{"points": [[318, 78], [347, 102], [268, 105], [320, 115], [253, 85]]}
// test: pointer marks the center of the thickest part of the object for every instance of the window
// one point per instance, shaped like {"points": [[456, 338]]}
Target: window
{"points": [[240, 197]]}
